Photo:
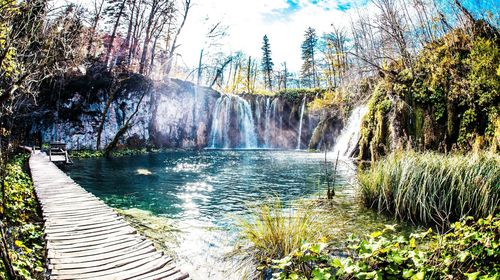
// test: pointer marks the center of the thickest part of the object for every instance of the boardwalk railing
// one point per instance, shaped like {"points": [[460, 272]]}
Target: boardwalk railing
{"points": [[85, 238]]}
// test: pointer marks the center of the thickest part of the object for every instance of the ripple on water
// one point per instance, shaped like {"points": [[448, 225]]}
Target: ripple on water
{"points": [[203, 192], [190, 167]]}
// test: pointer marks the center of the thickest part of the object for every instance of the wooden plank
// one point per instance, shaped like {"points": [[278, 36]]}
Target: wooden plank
{"points": [[85, 238]]}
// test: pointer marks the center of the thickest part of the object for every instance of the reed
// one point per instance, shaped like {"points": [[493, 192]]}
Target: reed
{"points": [[433, 189], [273, 231]]}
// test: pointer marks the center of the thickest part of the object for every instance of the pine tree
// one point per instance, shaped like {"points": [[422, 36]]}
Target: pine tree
{"points": [[267, 63], [308, 73]]}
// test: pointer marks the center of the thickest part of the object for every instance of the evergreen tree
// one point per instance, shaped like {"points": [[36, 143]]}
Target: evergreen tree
{"points": [[308, 73], [267, 63]]}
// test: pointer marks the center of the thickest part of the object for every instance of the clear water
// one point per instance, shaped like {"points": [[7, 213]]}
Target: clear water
{"points": [[203, 192]]}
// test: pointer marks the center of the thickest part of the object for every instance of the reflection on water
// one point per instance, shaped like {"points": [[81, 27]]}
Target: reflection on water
{"points": [[203, 191]]}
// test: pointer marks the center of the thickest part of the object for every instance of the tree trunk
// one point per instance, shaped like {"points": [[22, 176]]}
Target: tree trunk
{"points": [[104, 115], [198, 80], [113, 34], [126, 126]]}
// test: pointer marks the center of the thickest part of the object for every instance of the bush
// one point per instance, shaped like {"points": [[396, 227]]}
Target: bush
{"points": [[469, 251], [295, 95], [433, 189], [274, 232]]}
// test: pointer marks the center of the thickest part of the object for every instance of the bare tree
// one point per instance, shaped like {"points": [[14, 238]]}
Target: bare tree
{"points": [[117, 13], [95, 19], [172, 47]]}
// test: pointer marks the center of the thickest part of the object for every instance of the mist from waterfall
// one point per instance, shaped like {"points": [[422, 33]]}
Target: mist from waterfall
{"points": [[349, 137]]}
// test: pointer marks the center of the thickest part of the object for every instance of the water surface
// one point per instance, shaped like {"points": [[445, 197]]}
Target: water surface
{"points": [[203, 192]]}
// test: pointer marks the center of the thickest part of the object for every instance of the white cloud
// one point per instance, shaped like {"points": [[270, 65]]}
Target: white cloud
{"points": [[249, 21]]}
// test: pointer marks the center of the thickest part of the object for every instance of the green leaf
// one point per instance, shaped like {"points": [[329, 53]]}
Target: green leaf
{"points": [[472, 276], [376, 234], [407, 273], [413, 243], [419, 276]]}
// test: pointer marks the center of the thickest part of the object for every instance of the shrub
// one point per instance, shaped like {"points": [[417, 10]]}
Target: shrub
{"points": [[295, 95], [433, 189], [25, 227], [469, 251]]}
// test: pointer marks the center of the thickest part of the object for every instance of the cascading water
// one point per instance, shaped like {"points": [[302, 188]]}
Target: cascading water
{"points": [[233, 114], [348, 138], [267, 123], [300, 123]]}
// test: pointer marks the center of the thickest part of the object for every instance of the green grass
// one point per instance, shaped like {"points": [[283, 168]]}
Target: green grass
{"points": [[274, 231], [433, 189]]}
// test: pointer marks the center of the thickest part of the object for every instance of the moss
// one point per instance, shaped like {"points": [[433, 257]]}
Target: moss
{"points": [[419, 124], [452, 89]]}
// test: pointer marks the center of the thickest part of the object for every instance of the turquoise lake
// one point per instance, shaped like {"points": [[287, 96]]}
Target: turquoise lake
{"points": [[203, 193]]}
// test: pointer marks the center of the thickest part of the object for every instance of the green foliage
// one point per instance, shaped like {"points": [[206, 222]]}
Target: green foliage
{"points": [[309, 75], [274, 232], [86, 154], [117, 153], [431, 188], [267, 63], [449, 96], [295, 95], [25, 232], [469, 251]]}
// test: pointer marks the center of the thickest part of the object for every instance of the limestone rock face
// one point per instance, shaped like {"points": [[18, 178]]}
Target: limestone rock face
{"points": [[173, 114], [178, 114], [181, 113]]}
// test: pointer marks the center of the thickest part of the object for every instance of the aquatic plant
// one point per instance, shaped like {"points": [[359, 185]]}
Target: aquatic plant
{"points": [[274, 231], [116, 153], [431, 188], [469, 251]]}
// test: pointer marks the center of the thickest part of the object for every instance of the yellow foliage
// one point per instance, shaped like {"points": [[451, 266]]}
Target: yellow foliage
{"points": [[329, 100]]}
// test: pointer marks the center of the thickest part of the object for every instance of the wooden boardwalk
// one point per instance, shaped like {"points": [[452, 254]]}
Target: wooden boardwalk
{"points": [[85, 238]]}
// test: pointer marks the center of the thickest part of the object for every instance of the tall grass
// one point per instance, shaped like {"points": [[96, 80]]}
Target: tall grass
{"points": [[433, 189], [274, 231]]}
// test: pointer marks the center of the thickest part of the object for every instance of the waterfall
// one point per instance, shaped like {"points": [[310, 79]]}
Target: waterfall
{"points": [[233, 114], [247, 124], [257, 110], [300, 123], [267, 122], [349, 137]]}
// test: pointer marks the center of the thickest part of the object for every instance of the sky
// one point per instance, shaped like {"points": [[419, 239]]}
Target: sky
{"points": [[283, 21]]}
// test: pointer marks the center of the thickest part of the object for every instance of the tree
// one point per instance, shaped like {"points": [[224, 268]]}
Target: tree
{"points": [[267, 63], [172, 44], [117, 12], [308, 72], [335, 55], [95, 19], [33, 51]]}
